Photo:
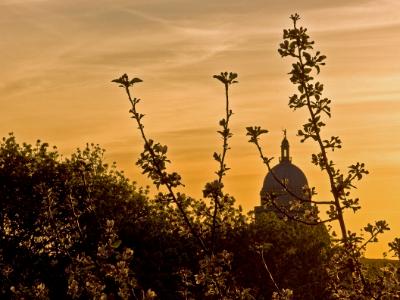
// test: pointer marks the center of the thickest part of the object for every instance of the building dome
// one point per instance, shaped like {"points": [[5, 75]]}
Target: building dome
{"points": [[287, 174], [291, 176]]}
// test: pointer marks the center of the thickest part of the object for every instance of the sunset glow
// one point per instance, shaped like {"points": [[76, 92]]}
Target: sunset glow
{"points": [[59, 57]]}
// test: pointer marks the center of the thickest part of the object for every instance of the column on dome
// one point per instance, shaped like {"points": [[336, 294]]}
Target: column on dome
{"points": [[285, 149]]}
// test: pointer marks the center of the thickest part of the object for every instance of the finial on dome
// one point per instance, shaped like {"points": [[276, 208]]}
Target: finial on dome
{"points": [[285, 149]]}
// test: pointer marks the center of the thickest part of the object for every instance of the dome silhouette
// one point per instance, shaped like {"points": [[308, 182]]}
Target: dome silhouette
{"points": [[283, 184], [288, 174]]}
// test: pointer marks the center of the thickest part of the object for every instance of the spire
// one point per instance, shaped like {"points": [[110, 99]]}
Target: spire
{"points": [[285, 149]]}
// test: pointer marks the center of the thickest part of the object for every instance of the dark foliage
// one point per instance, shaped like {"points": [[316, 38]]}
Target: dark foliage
{"points": [[55, 212]]}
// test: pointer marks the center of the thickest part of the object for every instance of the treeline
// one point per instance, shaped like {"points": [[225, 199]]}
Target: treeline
{"points": [[77, 228]]}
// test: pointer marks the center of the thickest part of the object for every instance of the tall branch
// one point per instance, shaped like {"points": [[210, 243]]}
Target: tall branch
{"points": [[318, 138], [126, 83], [227, 80]]}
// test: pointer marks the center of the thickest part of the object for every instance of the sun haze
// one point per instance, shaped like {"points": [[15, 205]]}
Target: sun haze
{"points": [[58, 58]]}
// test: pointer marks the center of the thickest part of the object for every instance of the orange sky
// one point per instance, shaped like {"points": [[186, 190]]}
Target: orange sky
{"points": [[58, 57]]}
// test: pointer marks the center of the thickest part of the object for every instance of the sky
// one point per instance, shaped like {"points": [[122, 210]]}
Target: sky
{"points": [[58, 58]]}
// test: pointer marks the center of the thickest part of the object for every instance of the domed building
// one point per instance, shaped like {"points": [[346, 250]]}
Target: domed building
{"points": [[283, 185]]}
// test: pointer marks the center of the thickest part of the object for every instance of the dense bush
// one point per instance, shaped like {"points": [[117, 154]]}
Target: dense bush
{"points": [[66, 222], [60, 219]]}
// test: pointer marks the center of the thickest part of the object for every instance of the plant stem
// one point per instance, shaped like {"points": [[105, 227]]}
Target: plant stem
{"points": [[322, 148], [221, 168], [166, 183]]}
